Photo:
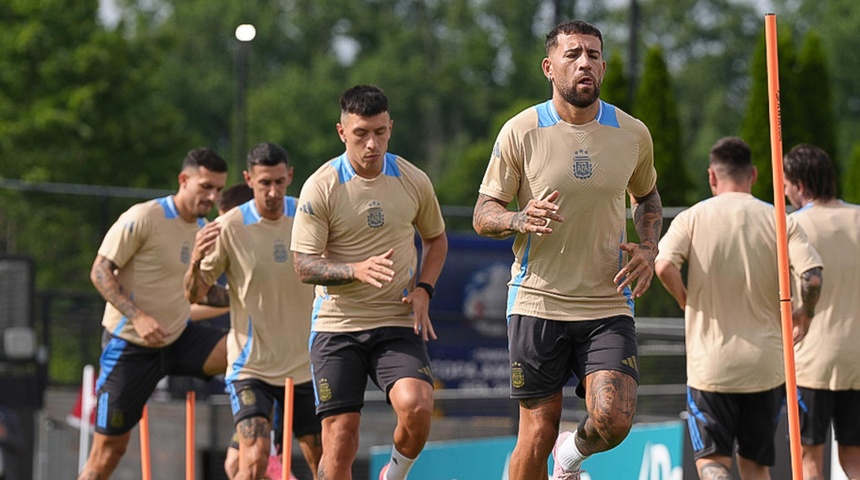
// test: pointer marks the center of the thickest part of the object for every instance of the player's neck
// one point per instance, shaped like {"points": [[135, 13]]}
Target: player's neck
{"points": [[184, 211], [573, 114]]}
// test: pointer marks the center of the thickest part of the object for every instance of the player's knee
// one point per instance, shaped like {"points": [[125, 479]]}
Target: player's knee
{"points": [[614, 433]]}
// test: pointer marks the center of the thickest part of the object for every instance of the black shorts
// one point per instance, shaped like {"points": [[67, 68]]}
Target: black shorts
{"points": [[717, 420], [819, 407], [341, 363], [130, 372], [256, 398], [545, 354]]}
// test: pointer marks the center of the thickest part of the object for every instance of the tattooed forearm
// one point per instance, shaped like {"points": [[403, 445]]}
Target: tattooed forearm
{"points": [[253, 428], [810, 289], [217, 296], [492, 219], [195, 288], [104, 279], [317, 270], [648, 218]]}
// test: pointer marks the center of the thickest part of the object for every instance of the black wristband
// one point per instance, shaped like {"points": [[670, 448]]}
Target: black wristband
{"points": [[427, 288]]}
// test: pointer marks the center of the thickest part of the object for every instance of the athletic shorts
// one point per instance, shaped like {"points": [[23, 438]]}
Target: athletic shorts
{"points": [[342, 361], [130, 372], [545, 354], [717, 420], [819, 407], [256, 398]]}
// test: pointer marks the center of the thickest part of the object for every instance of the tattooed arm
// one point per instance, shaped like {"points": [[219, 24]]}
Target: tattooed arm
{"points": [[197, 290], [491, 217], [317, 270], [104, 279], [648, 221], [810, 291]]}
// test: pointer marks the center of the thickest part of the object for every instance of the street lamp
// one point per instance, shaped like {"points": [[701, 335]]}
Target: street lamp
{"points": [[244, 34]]}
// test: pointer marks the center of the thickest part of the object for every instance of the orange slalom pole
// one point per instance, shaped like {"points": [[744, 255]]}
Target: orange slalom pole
{"points": [[145, 467], [190, 401], [782, 246], [287, 441]]}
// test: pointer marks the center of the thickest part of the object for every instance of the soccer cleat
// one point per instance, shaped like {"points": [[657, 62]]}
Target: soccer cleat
{"points": [[383, 472], [558, 472]]}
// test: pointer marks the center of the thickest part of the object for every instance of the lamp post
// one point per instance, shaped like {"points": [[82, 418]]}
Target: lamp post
{"points": [[244, 34]]}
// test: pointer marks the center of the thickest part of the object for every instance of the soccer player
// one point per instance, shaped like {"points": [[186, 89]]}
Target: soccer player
{"points": [[828, 372], [568, 163], [354, 238], [270, 311], [138, 271], [735, 376]]}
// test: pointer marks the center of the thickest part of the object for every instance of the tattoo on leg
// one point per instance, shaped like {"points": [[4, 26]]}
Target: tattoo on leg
{"points": [[611, 407], [253, 428], [714, 471]]}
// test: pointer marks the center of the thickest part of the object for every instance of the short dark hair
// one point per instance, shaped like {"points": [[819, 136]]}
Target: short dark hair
{"points": [[363, 100], [206, 158], [733, 155], [267, 154], [234, 195], [811, 167], [572, 27]]}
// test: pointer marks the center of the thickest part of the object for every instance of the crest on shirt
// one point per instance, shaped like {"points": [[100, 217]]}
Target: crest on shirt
{"points": [[375, 216], [280, 251], [185, 253], [582, 167]]}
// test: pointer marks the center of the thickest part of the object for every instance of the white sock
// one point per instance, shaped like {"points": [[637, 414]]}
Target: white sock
{"points": [[398, 466], [568, 455]]}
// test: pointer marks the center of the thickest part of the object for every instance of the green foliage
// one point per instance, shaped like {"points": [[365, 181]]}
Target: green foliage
{"points": [[851, 177], [656, 106], [755, 129], [814, 81], [616, 85], [85, 112]]}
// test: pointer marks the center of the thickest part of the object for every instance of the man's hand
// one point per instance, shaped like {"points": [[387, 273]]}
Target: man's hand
{"points": [[204, 241], [537, 215], [375, 269], [148, 328], [639, 269], [420, 301], [801, 320]]}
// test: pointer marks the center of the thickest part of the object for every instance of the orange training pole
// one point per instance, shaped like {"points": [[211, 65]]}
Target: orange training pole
{"points": [[145, 470], [782, 245], [190, 400], [287, 456]]}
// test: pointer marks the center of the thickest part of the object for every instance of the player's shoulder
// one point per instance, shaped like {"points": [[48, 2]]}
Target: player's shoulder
{"points": [[154, 209], [612, 114]]}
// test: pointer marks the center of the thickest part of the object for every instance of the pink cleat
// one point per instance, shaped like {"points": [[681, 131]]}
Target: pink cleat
{"points": [[383, 472]]}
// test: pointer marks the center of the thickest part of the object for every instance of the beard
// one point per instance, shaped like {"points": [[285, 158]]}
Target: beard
{"points": [[578, 99]]}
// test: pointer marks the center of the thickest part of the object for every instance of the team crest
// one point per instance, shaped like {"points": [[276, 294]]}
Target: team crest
{"points": [[582, 167], [518, 378], [247, 397], [185, 253], [324, 390], [375, 216], [117, 419], [280, 251]]}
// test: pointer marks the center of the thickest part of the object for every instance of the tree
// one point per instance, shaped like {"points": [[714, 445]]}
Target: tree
{"points": [[86, 113], [655, 105], [851, 176], [814, 80], [755, 129], [616, 85]]}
